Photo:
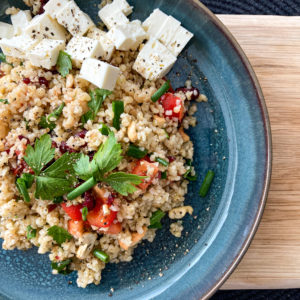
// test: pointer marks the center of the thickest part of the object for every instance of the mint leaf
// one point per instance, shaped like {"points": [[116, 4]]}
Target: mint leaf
{"points": [[60, 235], [5, 101], [108, 156], [97, 98], [42, 153], [123, 183], [84, 168], [156, 218], [31, 233], [64, 63]]}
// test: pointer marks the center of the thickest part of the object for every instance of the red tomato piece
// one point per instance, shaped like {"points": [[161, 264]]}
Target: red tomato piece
{"points": [[141, 169], [97, 218], [73, 211], [113, 229], [173, 106], [76, 228]]}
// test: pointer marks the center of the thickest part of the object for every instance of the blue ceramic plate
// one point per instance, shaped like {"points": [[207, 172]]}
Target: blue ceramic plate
{"points": [[232, 137]]}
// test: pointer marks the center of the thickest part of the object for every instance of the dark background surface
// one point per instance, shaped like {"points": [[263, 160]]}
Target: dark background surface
{"points": [[256, 7]]}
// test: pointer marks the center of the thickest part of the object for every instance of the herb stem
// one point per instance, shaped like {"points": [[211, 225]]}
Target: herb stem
{"points": [[82, 189]]}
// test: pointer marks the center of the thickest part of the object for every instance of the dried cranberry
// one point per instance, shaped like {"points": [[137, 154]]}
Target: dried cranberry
{"points": [[43, 81], [147, 158], [63, 148], [2, 74], [110, 199], [20, 168], [26, 80], [21, 137], [171, 158], [57, 257], [159, 175], [54, 144], [43, 3], [89, 200], [185, 90], [91, 155], [51, 207], [81, 134]]}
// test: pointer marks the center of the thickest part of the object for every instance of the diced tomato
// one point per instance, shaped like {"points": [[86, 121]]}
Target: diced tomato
{"points": [[113, 229], [74, 211], [102, 195], [142, 168], [76, 228], [97, 218], [173, 106]]}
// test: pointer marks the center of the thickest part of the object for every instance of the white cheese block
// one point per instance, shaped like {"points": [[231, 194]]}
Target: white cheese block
{"points": [[18, 46], [113, 18], [179, 40], [74, 19], [45, 54], [128, 36], [54, 6], [116, 5], [81, 48], [6, 30], [154, 22], [44, 27], [168, 30], [107, 45], [20, 21], [154, 60], [99, 73]]}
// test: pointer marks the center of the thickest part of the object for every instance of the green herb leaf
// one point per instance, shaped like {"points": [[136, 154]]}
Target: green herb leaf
{"points": [[97, 98], [64, 63], [136, 152], [5, 101], [56, 113], [26, 124], [45, 124], [31, 233], [84, 168], [60, 235], [21, 185], [28, 178], [58, 200], [123, 183], [118, 109], [84, 213], [42, 153], [105, 130], [3, 59], [164, 175], [162, 161], [62, 266], [187, 175], [155, 220]]}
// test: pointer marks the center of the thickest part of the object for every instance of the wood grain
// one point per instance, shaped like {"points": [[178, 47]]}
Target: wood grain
{"points": [[272, 44]]}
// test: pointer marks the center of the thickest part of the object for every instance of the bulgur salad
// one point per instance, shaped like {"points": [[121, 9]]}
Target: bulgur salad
{"points": [[93, 149]]}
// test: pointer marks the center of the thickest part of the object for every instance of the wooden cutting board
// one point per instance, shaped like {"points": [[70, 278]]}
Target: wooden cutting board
{"points": [[272, 44]]}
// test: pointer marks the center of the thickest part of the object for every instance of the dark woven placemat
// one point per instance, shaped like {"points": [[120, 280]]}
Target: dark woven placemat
{"points": [[256, 7]]}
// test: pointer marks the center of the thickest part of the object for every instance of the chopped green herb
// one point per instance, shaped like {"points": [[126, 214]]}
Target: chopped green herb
{"points": [[58, 200], [26, 124], [97, 98], [101, 255], [31, 233], [167, 135], [59, 234], [3, 59], [45, 124], [21, 185], [5, 101], [136, 152], [118, 109], [206, 183], [155, 220], [162, 161], [62, 266], [162, 90], [56, 113], [84, 213], [187, 175], [64, 63], [164, 175], [105, 130]]}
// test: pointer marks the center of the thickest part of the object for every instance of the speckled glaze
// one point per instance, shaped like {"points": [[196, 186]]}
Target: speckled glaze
{"points": [[232, 137]]}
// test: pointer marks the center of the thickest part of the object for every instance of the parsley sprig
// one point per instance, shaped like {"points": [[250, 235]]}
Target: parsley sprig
{"points": [[64, 63], [59, 234], [105, 160]]}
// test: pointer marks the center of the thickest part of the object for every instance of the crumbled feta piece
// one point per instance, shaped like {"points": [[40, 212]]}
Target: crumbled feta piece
{"points": [[44, 27], [107, 45], [128, 36], [54, 6], [113, 19], [116, 5], [154, 60], [179, 40], [18, 46], [153, 23], [168, 30], [99, 73], [81, 48], [45, 54], [20, 21], [74, 19], [6, 30]]}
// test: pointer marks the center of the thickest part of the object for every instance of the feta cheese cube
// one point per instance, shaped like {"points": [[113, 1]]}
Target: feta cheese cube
{"points": [[113, 19], [127, 36], [18, 46], [6, 30], [54, 6], [116, 5], [81, 48], [99, 73], [74, 19], [153, 23], [154, 60], [107, 45], [44, 27], [20, 21], [179, 40], [45, 54], [168, 30]]}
